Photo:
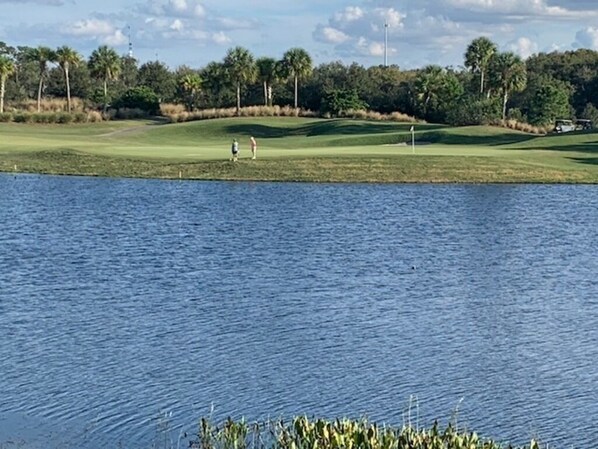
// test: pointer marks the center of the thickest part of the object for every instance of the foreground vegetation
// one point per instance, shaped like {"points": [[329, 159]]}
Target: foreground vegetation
{"points": [[304, 433], [300, 149]]}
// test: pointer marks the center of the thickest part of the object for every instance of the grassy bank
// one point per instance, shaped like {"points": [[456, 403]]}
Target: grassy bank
{"points": [[299, 149]]}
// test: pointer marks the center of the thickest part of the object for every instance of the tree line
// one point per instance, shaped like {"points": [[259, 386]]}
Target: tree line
{"points": [[490, 86]]}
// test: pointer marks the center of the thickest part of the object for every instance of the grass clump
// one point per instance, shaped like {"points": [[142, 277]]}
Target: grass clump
{"points": [[305, 433]]}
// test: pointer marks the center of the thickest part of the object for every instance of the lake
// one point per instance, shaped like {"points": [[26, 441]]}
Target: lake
{"points": [[130, 308]]}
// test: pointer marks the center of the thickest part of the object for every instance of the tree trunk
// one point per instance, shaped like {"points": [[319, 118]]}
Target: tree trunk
{"points": [[105, 94], [296, 82], [68, 89], [39, 93], [2, 85], [265, 93], [504, 104], [482, 82], [238, 99]]}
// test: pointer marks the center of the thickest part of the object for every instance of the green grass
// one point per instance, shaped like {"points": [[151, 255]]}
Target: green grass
{"points": [[300, 149]]}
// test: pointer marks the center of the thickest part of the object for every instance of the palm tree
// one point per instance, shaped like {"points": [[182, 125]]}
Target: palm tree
{"points": [[298, 64], [42, 56], [267, 70], [190, 86], [509, 74], [7, 68], [478, 56], [428, 86], [105, 64], [66, 58], [240, 69]]}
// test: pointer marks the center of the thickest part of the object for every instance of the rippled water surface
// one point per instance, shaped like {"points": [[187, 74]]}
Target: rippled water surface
{"points": [[125, 300]]}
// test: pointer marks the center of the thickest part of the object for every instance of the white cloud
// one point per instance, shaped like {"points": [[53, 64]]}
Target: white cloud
{"points": [[199, 11], [90, 28], [519, 9], [524, 47], [587, 38], [376, 49], [179, 5], [177, 25], [330, 35], [221, 39], [98, 30], [350, 14], [115, 39], [174, 8]]}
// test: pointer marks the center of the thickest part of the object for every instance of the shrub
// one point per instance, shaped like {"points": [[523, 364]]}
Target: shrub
{"points": [[130, 113], [80, 117], [590, 112], [64, 118], [6, 117], [335, 101], [139, 98], [474, 111], [94, 116], [23, 117]]}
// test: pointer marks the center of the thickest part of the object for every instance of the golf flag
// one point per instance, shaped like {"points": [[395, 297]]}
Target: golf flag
{"points": [[412, 128], [412, 139]]}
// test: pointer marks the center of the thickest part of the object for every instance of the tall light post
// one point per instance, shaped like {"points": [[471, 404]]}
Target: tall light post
{"points": [[130, 43], [385, 44]]}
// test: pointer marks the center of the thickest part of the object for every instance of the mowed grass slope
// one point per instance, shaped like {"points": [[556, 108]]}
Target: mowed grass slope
{"points": [[300, 149]]}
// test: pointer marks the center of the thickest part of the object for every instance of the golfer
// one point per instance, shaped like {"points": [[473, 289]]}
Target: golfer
{"points": [[235, 150], [253, 147]]}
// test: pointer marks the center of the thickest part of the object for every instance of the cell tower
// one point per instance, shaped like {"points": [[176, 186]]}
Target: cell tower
{"points": [[130, 43]]}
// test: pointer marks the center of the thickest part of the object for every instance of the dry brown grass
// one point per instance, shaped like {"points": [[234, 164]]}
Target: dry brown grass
{"points": [[178, 114], [377, 116], [521, 126], [47, 105], [170, 109]]}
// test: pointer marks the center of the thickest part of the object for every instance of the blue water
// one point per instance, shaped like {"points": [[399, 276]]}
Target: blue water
{"points": [[130, 308]]}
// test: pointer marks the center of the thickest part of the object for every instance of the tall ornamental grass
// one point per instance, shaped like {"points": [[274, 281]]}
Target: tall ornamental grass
{"points": [[305, 433]]}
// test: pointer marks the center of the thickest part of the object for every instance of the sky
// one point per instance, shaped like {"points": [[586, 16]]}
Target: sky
{"points": [[196, 32]]}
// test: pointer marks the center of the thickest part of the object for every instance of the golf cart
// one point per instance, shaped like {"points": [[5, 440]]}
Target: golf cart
{"points": [[564, 126], [583, 124]]}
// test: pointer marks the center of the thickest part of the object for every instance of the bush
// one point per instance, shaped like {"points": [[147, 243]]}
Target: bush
{"points": [[590, 112], [80, 117], [23, 117], [94, 117], [64, 118], [139, 98], [474, 111], [130, 113], [336, 101], [6, 117]]}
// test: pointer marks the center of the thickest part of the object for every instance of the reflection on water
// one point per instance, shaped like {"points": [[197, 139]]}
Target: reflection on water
{"points": [[124, 299]]}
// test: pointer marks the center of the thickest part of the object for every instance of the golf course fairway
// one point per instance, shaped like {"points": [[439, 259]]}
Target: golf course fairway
{"points": [[300, 149]]}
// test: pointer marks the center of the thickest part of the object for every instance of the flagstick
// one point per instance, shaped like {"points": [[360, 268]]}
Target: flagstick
{"points": [[412, 140]]}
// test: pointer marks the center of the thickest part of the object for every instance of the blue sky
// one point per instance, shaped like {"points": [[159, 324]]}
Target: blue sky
{"points": [[195, 32]]}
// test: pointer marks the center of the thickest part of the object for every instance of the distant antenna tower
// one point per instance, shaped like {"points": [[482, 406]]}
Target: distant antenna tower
{"points": [[130, 43], [385, 44]]}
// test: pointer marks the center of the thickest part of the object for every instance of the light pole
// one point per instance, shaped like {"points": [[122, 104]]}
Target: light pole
{"points": [[130, 43], [385, 44]]}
